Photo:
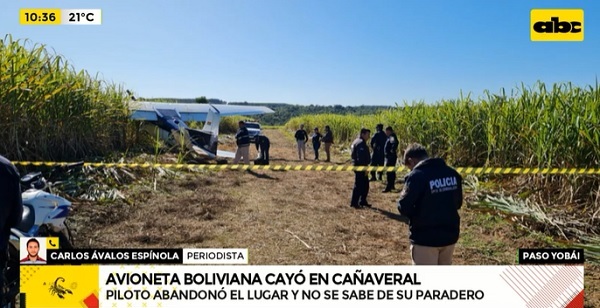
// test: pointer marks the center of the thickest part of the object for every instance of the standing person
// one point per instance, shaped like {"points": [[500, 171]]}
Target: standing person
{"points": [[242, 139], [361, 157], [11, 210], [391, 156], [316, 141], [301, 139], [328, 141], [431, 199], [377, 144], [263, 143]]}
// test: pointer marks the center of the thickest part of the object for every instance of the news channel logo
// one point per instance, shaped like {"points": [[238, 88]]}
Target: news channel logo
{"points": [[556, 25]]}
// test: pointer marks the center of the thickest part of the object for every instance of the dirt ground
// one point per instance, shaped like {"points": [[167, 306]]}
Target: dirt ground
{"points": [[287, 217]]}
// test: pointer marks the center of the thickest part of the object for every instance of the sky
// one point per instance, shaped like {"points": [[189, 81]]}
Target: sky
{"points": [[321, 52]]}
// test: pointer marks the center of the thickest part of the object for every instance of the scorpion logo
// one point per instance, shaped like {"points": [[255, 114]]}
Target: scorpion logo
{"points": [[58, 290]]}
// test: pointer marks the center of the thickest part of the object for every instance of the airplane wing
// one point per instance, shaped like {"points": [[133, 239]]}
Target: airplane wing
{"points": [[191, 112]]}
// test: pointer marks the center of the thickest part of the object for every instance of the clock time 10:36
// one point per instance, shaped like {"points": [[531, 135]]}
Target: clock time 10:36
{"points": [[40, 17]]}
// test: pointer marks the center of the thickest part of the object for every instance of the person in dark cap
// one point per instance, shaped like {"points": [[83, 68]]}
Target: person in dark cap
{"points": [[391, 157], [11, 210], [262, 146], [431, 198], [360, 157], [377, 144]]}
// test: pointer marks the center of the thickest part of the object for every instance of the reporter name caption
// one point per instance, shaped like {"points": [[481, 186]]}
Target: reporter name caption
{"points": [[340, 286], [148, 256]]}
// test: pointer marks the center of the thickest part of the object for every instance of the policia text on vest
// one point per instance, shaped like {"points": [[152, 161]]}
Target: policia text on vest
{"points": [[556, 25]]}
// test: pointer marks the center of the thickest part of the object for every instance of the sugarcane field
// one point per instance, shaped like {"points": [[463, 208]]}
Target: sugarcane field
{"points": [[302, 144]]}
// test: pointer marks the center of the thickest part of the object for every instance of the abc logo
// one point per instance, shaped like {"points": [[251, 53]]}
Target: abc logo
{"points": [[556, 25]]}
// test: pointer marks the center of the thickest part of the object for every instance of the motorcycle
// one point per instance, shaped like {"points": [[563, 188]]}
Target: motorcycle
{"points": [[44, 215]]}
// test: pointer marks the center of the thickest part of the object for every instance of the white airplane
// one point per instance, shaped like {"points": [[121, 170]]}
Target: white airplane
{"points": [[171, 117]]}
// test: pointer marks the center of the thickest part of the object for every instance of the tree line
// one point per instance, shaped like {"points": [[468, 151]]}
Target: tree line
{"points": [[283, 112]]}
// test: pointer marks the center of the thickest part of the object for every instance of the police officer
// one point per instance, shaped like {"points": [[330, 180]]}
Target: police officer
{"points": [[377, 143], [430, 200], [391, 156], [263, 143], [361, 157], [11, 209]]}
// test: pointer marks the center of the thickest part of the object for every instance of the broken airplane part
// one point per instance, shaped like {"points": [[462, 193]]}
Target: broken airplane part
{"points": [[171, 118]]}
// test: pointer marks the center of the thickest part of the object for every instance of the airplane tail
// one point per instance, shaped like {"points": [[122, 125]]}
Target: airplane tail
{"points": [[208, 137], [213, 118]]}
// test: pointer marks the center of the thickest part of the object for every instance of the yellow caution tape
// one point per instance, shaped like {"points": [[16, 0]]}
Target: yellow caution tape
{"points": [[462, 170]]}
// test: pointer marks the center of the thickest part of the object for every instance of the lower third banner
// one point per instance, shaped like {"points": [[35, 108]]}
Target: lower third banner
{"points": [[301, 286]]}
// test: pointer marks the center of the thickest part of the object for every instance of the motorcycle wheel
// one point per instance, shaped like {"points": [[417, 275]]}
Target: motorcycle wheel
{"points": [[69, 235], [65, 238]]}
